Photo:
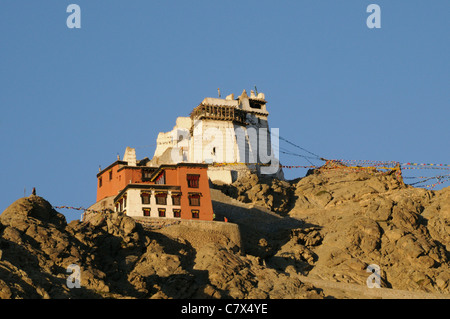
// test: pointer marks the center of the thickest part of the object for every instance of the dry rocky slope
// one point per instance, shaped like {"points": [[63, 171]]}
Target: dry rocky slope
{"points": [[119, 258], [348, 220], [309, 238]]}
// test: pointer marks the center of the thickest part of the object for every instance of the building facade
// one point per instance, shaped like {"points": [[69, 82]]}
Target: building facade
{"points": [[169, 191]]}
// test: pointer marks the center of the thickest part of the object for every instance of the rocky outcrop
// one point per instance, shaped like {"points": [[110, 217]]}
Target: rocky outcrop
{"points": [[355, 219], [119, 258], [242, 277], [38, 246], [271, 193], [369, 219]]}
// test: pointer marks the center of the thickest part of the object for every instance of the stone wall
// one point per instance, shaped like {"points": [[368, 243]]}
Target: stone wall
{"points": [[198, 233]]}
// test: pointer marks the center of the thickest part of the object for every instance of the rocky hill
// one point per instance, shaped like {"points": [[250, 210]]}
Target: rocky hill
{"points": [[349, 220], [120, 258], [309, 238]]}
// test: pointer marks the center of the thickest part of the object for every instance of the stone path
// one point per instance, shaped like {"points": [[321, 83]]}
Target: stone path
{"points": [[342, 290]]}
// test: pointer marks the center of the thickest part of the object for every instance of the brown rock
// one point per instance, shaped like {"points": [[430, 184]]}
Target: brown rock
{"points": [[31, 207]]}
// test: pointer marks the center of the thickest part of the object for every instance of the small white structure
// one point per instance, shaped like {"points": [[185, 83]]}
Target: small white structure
{"points": [[130, 156]]}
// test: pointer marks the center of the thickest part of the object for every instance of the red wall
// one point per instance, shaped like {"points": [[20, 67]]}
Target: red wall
{"points": [[205, 209], [176, 176], [120, 179]]}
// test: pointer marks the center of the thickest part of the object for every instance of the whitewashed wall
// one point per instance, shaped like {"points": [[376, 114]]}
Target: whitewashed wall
{"points": [[135, 207]]}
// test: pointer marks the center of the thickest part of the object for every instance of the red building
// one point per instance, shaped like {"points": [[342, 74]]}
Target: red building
{"points": [[168, 191]]}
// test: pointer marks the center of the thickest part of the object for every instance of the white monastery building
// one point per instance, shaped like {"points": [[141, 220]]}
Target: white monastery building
{"points": [[231, 134]]}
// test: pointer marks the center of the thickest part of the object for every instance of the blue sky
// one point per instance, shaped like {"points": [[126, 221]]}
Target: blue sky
{"points": [[72, 99]]}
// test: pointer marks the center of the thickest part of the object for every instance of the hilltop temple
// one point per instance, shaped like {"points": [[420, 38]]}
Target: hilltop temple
{"points": [[231, 132], [220, 140]]}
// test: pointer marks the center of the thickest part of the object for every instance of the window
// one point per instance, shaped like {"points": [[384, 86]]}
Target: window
{"points": [[194, 200], [146, 211], [177, 213], [145, 197], [176, 199], [161, 179], [161, 199], [100, 182], [110, 175], [161, 212], [195, 213], [255, 105], [146, 174], [124, 202], [193, 180]]}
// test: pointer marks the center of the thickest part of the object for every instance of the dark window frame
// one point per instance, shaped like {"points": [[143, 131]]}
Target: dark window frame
{"points": [[147, 174], [159, 197], [194, 200], [176, 200], [145, 210], [176, 213], [193, 180], [145, 195], [195, 213]]}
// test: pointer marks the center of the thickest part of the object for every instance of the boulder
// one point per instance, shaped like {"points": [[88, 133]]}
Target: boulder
{"points": [[18, 213]]}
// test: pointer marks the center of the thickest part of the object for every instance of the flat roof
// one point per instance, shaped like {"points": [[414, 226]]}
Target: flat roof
{"points": [[156, 168]]}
